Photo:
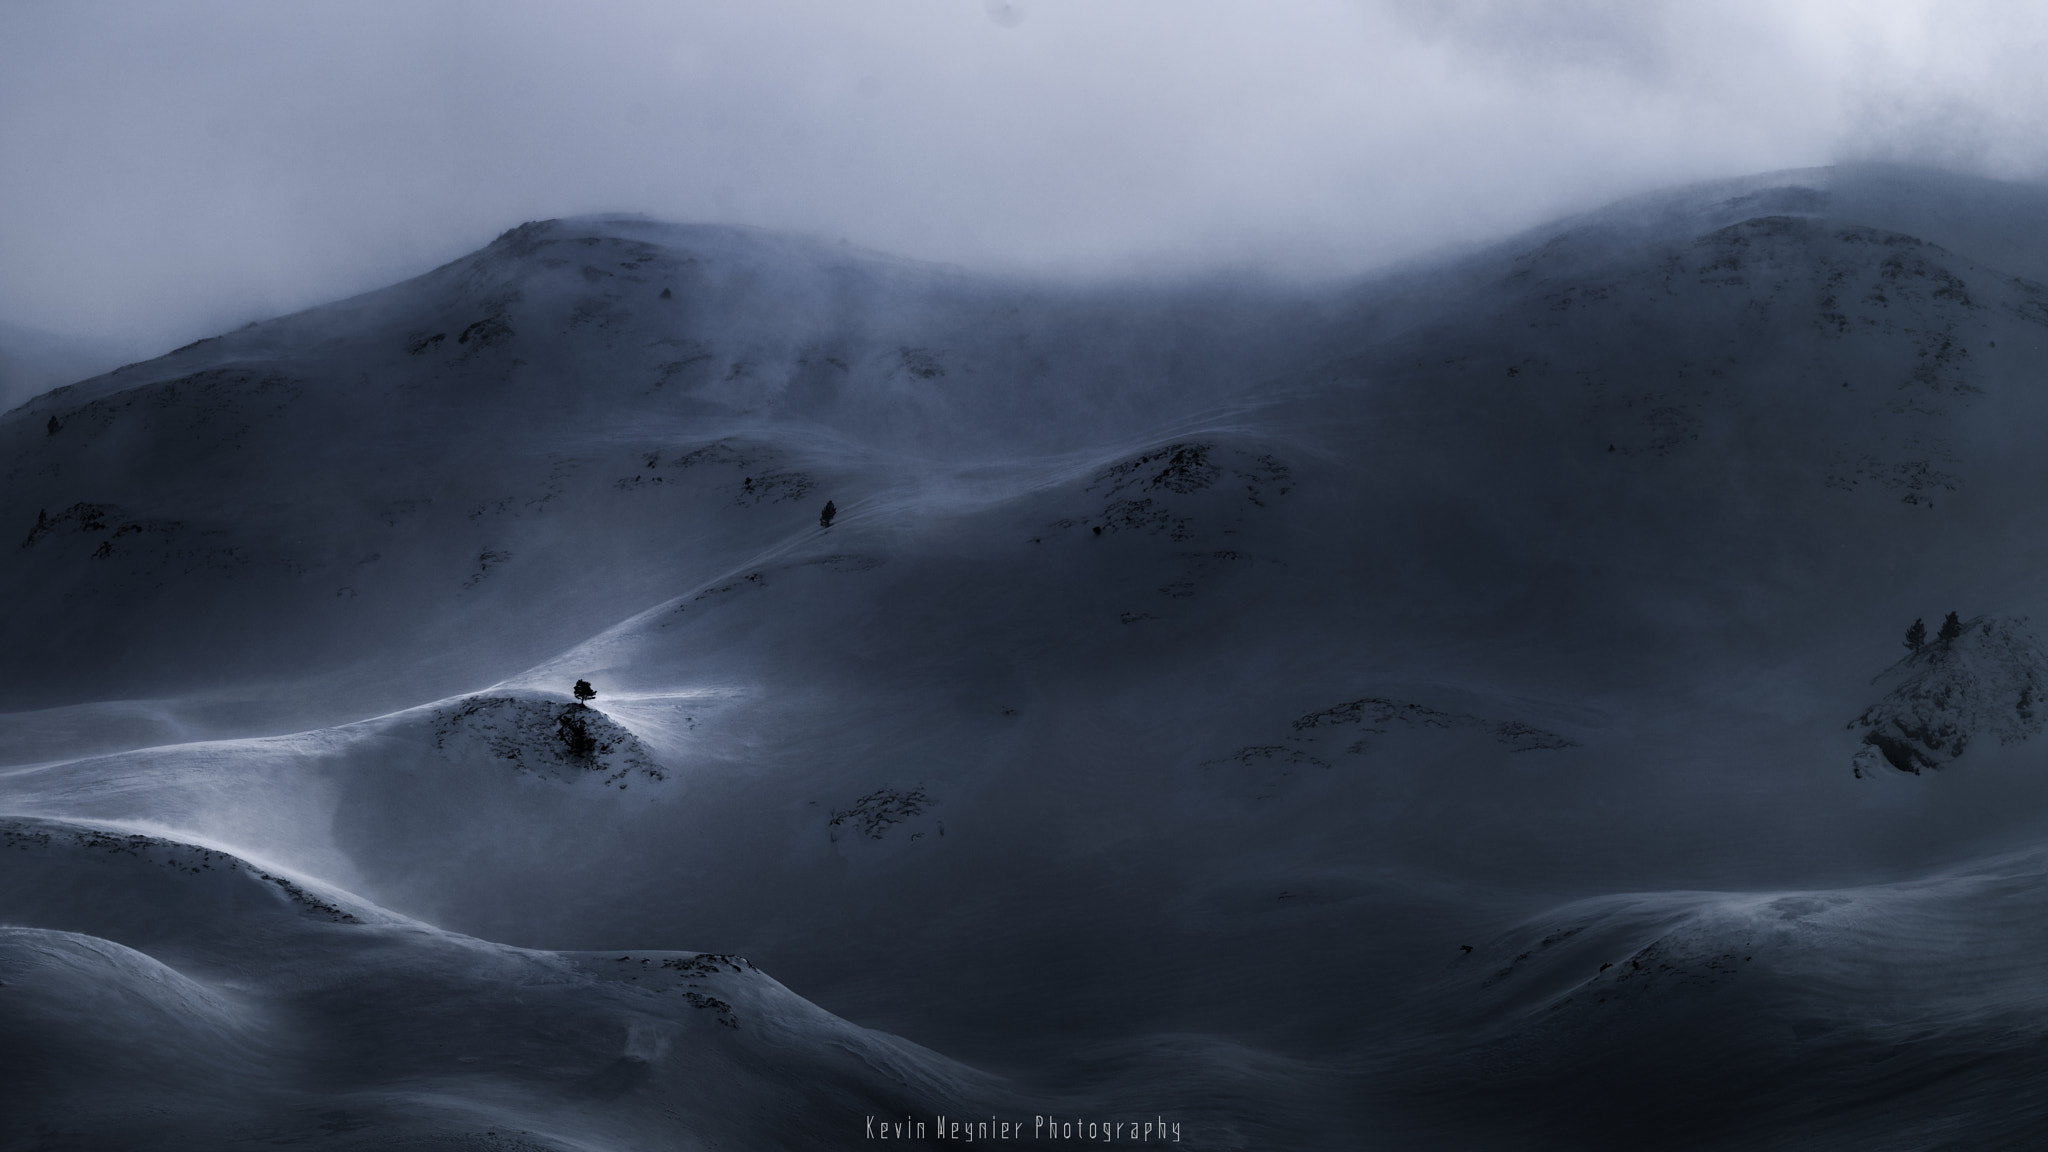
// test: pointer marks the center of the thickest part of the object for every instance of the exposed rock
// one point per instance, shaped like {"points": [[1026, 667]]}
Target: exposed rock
{"points": [[1376, 716], [1143, 494], [875, 813], [1355, 728]]}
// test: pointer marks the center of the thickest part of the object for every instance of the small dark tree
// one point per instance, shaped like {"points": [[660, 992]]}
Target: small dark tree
{"points": [[1951, 627], [825, 517], [1916, 635], [575, 735], [585, 693]]}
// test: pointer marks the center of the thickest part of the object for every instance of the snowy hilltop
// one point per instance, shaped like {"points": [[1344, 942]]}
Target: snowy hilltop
{"points": [[1989, 679]]}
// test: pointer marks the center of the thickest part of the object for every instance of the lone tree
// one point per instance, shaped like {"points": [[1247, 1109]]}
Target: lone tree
{"points": [[825, 517], [584, 693], [1951, 628], [1916, 635]]}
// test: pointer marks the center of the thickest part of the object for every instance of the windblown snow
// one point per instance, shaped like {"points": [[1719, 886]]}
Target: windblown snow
{"points": [[1406, 712]]}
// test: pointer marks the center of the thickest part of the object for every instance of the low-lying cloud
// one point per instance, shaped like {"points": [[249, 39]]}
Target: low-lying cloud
{"points": [[176, 170]]}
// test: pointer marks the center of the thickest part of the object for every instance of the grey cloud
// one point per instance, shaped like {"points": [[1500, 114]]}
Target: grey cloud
{"points": [[174, 171], [1628, 37]]}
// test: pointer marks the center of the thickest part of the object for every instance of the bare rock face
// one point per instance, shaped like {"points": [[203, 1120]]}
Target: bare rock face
{"points": [[1986, 682]]}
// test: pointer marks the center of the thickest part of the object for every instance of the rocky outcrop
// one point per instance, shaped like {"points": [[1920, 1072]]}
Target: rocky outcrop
{"points": [[1356, 728], [873, 815], [1987, 681]]}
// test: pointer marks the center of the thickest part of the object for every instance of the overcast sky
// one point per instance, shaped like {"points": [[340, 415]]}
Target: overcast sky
{"points": [[171, 170]]}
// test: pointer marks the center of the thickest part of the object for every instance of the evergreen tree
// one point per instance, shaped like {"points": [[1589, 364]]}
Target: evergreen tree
{"points": [[825, 517], [1951, 627], [585, 693], [575, 736], [1916, 635]]}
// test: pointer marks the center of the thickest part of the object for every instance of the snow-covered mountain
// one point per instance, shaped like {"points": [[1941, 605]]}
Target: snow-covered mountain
{"points": [[1187, 673]]}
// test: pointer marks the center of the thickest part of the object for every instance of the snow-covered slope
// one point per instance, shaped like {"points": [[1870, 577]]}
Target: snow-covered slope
{"points": [[1186, 672], [170, 995], [1984, 682], [1894, 1016], [489, 459]]}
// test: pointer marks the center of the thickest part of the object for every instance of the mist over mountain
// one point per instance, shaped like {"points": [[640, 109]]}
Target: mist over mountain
{"points": [[1426, 710], [33, 361]]}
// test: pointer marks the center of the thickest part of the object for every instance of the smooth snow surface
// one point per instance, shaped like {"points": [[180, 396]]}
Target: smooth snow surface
{"points": [[1431, 711]]}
